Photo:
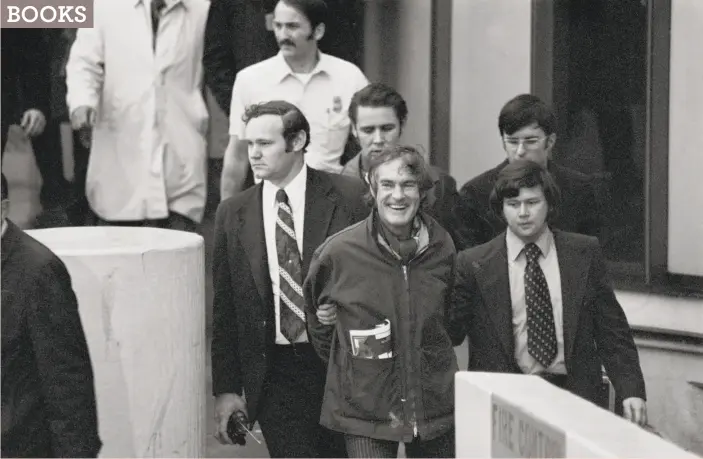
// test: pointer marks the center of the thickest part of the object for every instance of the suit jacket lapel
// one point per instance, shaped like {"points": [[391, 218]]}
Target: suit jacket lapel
{"points": [[319, 207], [573, 270], [494, 283], [10, 240], [252, 237]]}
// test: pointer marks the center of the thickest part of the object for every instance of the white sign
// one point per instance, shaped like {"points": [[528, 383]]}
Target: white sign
{"points": [[514, 433]]}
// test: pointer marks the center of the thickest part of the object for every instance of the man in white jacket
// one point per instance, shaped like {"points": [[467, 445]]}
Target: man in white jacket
{"points": [[135, 78]]}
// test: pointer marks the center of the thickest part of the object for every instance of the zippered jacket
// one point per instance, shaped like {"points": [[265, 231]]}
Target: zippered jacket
{"points": [[411, 393]]}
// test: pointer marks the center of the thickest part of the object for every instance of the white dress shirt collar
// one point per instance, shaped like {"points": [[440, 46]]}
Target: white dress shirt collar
{"points": [[514, 244], [295, 190], [281, 69]]}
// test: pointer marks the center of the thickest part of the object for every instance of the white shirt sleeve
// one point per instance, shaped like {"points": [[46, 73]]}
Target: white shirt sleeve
{"points": [[85, 68], [237, 107], [360, 82]]}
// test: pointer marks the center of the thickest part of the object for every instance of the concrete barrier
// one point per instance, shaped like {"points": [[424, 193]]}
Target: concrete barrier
{"points": [[142, 304], [507, 415]]}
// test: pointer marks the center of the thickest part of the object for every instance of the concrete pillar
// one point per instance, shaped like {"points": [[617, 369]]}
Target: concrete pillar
{"points": [[141, 299]]}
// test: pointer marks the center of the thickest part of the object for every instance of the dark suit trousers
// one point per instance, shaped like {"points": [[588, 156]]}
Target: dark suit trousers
{"points": [[291, 401]]}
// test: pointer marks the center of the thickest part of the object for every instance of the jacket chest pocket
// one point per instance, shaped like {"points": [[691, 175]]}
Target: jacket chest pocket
{"points": [[371, 389]]}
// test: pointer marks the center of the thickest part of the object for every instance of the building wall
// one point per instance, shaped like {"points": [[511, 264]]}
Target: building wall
{"points": [[397, 42], [674, 377], [685, 122], [490, 64]]}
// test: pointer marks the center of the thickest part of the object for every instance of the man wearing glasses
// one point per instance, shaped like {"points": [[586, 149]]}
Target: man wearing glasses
{"points": [[527, 126]]}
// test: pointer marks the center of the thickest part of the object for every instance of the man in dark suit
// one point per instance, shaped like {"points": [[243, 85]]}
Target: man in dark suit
{"points": [[262, 361], [48, 398], [538, 301], [528, 130]]}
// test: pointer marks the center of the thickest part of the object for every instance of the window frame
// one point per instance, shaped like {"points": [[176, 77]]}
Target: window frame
{"points": [[651, 275]]}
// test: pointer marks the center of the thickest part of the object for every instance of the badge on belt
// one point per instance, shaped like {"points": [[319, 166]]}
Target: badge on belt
{"points": [[337, 104]]}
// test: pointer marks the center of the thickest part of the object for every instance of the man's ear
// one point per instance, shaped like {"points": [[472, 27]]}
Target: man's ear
{"points": [[354, 132], [551, 141], [299, 141], [367, 179], [319, 32]]}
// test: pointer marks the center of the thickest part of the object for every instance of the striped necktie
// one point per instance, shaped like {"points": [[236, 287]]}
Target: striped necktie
{"points": [[292, 303]]}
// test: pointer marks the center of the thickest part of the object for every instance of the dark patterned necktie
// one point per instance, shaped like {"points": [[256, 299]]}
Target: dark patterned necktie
{"points": [[541, 333], [157, 7], [290, 280]]}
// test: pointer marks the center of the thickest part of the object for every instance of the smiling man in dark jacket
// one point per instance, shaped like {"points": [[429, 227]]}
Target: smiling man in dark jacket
{"points": [[391, 363]]}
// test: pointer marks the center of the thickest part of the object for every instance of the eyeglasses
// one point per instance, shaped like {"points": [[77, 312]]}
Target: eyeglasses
{"points": [[529, 143]]}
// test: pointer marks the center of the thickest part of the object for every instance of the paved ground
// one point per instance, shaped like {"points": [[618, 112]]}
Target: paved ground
{"points": [[23, 177]]}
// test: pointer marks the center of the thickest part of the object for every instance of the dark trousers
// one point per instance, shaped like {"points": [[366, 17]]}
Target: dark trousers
{"points": [[174, 221], [442, 446], [289, 413]]}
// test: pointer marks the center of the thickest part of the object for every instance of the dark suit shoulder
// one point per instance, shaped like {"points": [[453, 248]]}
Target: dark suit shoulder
{"points": [[35, 256], [576, 239], [348, 192], [482, 251], [444, 179], [345, 185], [482, 183], [234, 203], [572, 179], [567, 172]]}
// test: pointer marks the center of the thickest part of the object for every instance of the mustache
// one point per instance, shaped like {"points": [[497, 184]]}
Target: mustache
{"points": [[285, 41]]}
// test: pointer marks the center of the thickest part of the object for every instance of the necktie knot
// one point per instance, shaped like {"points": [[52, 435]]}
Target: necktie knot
{"points": [[157, 6], [281, 196], [532, 252]]}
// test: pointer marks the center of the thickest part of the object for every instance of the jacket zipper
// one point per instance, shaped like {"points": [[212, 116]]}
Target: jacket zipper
{"points": [[407, 289]]}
